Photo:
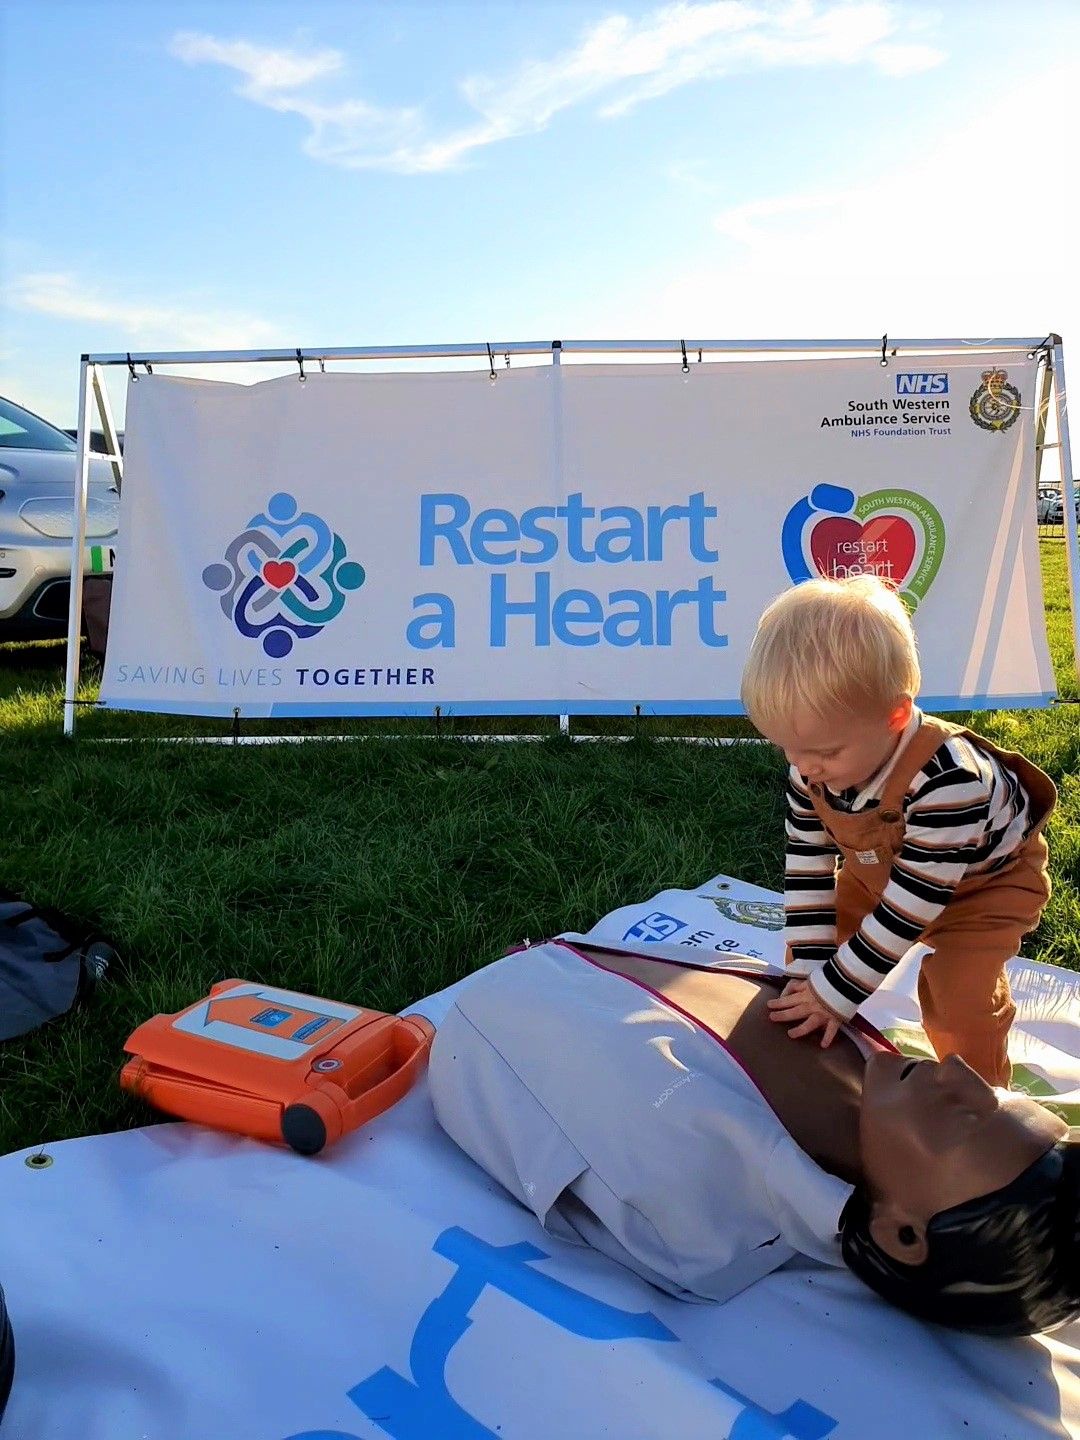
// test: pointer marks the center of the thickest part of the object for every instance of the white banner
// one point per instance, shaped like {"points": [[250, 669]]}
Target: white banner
{"points": [[176, 1283], [574, 539]]}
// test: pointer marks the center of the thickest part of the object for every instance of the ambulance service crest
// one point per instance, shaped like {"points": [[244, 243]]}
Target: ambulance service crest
{"points": [[995, 405], [762, 914]]}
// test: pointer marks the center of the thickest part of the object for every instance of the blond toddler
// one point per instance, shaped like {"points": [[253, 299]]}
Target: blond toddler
{"points": [[901, 828]]}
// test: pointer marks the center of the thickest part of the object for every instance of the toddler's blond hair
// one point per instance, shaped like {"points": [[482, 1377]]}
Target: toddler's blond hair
{"points": [[831, 647]]}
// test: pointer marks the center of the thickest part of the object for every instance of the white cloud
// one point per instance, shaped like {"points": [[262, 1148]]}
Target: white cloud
{"points": [[178, 326], [351, 133], [749, 222], [956, 235], [267, 71], [617, 64], [107, 323], [964, 204], [906, 59], [707, 42]]}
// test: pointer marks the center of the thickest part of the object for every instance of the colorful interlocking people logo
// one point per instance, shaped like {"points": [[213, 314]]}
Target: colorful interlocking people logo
{"points": [[892, 533], [996, 404], [284, 577]]}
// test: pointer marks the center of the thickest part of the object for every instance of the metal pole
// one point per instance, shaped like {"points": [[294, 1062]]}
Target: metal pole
{"points": [[907, 347], [1068, 495], [101, 395], [1042, 410], [78, 542], [556, 360]]}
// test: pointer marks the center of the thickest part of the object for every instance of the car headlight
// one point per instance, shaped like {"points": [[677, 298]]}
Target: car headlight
{"points": [[54, 516]]}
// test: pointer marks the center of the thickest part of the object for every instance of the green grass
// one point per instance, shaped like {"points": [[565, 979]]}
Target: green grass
{"points": [[381, 870]]}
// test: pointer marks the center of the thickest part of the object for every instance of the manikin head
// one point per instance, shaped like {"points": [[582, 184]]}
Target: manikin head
{"points": [[831, 677], [969, 1210]]}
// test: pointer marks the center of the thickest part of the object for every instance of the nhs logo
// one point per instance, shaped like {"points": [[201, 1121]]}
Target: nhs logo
{"points": [[922, 384], [654, 927]]}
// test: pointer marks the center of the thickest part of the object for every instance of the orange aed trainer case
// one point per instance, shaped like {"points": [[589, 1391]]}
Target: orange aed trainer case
{"points": [[275, 1064]]}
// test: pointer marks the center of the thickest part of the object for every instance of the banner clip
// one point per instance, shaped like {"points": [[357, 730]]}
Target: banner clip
{"points": [[491, 365], [1041, 350], [884, 342], [131, 367], [685, 362], [300, 362]]}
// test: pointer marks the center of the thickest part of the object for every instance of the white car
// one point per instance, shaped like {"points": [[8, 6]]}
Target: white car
{"points": [[37, 507], [1055, 515]]}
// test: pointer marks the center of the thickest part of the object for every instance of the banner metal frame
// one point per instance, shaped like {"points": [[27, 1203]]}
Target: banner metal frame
{"points": [[93, 392]]}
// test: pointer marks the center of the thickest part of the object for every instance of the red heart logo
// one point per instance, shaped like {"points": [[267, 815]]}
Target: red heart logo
{"points": [[279, 573], [884, 546]]}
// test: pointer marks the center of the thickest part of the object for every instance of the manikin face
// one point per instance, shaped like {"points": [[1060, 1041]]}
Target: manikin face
{"points": [[841, 750], [932, 1134]]}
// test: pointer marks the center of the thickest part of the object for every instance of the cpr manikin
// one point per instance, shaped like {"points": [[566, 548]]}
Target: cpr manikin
{"points": [[646, 1105]]}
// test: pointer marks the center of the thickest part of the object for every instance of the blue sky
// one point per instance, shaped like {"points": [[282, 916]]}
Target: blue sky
{"points": [[244, 174]]}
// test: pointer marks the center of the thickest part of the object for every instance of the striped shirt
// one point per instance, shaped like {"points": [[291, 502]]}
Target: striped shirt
{"points": [[964, 813]]}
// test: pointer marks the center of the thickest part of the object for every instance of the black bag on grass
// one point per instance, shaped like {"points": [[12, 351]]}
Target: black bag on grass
{"points": [[47, 963]]}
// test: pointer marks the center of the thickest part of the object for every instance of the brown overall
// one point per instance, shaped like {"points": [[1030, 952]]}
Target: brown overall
{"points": [[966, 1003]]}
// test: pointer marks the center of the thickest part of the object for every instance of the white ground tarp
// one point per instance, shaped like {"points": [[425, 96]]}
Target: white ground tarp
{"points": [[574, 539], [171, 1283]]}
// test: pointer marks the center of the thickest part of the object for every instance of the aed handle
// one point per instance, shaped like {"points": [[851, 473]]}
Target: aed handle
{"points": [[321, 1118], [411, 1039]]}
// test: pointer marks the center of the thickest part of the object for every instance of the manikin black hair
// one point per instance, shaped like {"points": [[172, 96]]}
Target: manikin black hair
{"points": [[1003, 1264]]}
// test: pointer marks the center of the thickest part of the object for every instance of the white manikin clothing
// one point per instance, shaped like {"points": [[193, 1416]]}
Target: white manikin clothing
{"points": [[622, 1122]]}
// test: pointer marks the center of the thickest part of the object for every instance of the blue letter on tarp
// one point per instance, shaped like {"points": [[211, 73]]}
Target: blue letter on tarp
{"points": [[422, 1408]]}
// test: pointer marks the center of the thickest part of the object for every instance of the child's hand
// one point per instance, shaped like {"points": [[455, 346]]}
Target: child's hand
{"points": [[798, 1003]]}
